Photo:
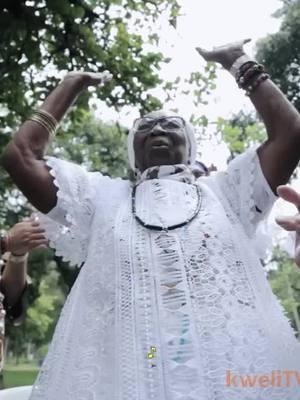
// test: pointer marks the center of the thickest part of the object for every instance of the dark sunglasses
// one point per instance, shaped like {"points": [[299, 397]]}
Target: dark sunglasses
{"points": [[145, 124]]}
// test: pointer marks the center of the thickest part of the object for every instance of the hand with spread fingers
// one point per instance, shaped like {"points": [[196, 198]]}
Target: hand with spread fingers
{"points": [[291, 223], [224, 55]]}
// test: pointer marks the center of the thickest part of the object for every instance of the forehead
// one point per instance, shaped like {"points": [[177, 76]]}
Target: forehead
{"points": [[161, 114]]}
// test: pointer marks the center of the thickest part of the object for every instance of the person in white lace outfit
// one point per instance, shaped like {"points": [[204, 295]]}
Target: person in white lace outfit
{"points": [[171, 302]]}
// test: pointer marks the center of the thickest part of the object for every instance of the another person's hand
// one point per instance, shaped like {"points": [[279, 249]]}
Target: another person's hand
{"points": [[291, 223], [87, 79], [25, 236], [224, 55]]}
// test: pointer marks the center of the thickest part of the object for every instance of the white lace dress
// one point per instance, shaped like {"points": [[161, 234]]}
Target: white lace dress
{"points": [[196, 295]]}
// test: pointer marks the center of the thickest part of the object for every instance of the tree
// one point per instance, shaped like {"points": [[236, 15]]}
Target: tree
{"points": [[285, 282], [90, 142], [240, 132], [42, 37], [280, 52], [43, 312]]}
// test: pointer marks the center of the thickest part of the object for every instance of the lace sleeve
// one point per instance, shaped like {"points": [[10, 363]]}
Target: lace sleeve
{"points": [[247, 190], [68, 224]]}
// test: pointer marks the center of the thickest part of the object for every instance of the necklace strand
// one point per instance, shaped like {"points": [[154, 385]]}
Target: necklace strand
{"points": [[167, 228]]}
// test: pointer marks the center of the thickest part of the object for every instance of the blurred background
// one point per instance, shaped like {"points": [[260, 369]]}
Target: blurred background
{"points": [[148, 46]]}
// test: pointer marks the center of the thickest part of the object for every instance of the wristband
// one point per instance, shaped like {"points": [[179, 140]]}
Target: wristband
{"points": [[238, 63], [18, 259]]}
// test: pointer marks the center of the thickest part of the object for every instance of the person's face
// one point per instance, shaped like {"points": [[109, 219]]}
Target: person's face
{"points": [[159, 140]]}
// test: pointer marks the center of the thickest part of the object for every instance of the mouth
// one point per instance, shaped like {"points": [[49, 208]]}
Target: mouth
{"points": [[161, 142]]}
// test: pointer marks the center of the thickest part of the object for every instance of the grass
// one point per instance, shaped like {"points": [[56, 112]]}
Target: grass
{"points": [[19, 375]]}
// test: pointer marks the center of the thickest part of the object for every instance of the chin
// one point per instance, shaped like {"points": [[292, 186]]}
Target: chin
{"points": [[159, 159]]}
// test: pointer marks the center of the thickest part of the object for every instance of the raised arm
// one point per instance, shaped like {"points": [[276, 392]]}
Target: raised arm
{"points": [[23, 157], [280, 154]]}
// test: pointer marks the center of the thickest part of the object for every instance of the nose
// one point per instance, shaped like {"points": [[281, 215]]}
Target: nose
{"points": [[157, 129]]}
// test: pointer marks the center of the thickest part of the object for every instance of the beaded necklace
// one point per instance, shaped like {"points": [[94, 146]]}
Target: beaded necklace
{"points": [[166, 228]]}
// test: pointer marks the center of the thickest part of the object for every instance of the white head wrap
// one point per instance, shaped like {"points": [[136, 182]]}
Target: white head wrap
{"points": [[189, 136]]}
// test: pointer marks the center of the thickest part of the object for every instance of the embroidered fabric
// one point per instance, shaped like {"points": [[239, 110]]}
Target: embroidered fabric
{"points": [[198, 294], [68, 224], [249, 196], [164, 209]]}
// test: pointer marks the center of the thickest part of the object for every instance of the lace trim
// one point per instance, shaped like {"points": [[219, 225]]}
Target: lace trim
{"points": [[139, 377], [153, 311], [82, 360], [165, 202], [246, 189], [126, 377], [180, 347], [68, 224]]}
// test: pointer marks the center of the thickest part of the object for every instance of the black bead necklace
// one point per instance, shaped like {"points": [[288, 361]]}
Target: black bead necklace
{"points": [[167, 228]]}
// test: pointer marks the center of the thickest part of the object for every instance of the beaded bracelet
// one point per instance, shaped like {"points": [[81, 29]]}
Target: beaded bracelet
{"points": [[261, 78], [244, 68], [252, 72], [249, 74]]}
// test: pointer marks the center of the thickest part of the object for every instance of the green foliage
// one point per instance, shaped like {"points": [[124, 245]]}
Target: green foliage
{"points": [[198, 85], [98, 146], [280, 52], [39, 37], [285, 282], [39, 324], [42, 313], [240, 132]]}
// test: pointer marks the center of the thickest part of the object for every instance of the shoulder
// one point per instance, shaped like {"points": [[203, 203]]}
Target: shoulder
{"points": [[107, 190], [69, 173]]}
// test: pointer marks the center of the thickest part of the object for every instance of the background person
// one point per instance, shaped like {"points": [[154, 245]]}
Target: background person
{"points": [[16, 245]]}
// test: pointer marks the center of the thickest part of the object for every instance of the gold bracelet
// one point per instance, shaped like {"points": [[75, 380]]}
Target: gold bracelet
{"points": [[48, 117], [46, 120], [41, 122]]}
